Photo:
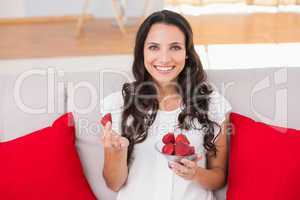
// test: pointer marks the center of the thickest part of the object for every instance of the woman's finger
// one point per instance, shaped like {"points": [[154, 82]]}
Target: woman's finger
{"points": [[179, 173], [107, 141], [179, 167], [107, 137], [115, 140], [188, 163], [107, 128], [124, 143]]}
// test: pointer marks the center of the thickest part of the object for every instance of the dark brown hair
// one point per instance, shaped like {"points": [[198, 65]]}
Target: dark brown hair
{"points": [[139, 112]]}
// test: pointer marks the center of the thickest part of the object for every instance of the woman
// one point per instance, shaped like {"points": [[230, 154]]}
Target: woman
{"points": [[169, 94]]}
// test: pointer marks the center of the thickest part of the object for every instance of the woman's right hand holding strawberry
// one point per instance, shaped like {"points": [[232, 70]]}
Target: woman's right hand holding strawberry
{"points": [[115, 170], [111, 139]]}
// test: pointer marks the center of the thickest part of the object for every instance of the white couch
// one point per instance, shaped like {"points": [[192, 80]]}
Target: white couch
{"points": [[268, 95]]}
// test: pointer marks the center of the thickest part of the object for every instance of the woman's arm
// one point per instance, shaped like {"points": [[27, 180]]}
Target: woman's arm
{"points": [[115, 170], [213, 177]]}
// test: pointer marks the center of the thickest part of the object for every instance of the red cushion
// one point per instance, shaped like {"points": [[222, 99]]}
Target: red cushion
{"points": [[264, 161], [43, 165]]}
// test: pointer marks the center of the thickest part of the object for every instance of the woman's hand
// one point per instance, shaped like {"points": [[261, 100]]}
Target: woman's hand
{"points": [[112, 140], [188, 169], [115, 170]]}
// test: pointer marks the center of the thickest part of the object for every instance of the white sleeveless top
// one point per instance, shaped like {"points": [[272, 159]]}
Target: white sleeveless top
{"points": [[149, 177]]}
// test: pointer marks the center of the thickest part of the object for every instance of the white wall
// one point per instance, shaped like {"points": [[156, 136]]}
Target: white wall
{"points": [[52, 7], [99, 8], [11, 8]]}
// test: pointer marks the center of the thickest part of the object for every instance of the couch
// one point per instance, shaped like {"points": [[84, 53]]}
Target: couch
{"points": [[269, 95]]}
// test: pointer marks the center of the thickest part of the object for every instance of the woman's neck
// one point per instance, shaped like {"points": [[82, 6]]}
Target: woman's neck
{"points": [[167, 89], [168, 97]]}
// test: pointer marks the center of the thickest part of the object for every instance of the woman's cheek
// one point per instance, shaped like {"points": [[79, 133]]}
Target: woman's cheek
{"points": [[179, 57]]}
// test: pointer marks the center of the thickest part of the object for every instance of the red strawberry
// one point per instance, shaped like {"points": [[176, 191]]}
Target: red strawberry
{"points": [[168, 149], [106, 118], [182, 149], [182, 139], [168, 138], [192, 150]]}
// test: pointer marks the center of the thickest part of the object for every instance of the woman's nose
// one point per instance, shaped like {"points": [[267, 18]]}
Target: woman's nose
{"points": [[164, 57]]}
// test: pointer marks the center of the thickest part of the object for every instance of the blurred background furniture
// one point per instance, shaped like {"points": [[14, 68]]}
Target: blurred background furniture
{"points": [[119, 8]]}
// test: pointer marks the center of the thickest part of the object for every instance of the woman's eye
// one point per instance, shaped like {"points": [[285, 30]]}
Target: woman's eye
{"points": [[176, 48], [153, 47]]}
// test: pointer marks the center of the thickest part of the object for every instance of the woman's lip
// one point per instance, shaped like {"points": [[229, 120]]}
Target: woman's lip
{"points": [[164, 71]]}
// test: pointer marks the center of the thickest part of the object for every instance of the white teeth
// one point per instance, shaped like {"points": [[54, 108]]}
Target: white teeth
{"points": [[164, 68]]}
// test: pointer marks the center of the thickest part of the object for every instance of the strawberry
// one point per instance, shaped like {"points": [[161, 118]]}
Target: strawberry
{"points": [[182, 149], [191, 150], [106, 118], [168, 138], [182, 139], [168, 149]]}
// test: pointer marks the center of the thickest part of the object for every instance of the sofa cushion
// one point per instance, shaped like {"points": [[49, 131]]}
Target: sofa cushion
{"points": [[269, 95], [43, 165], [86, 91], [264, 161]]}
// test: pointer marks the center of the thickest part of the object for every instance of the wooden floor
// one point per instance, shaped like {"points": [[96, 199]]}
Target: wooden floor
{"points": [[53, 39]]}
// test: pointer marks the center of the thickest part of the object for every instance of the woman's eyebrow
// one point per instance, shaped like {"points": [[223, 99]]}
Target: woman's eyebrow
{"points": [[176, 43], [153, 43], [172, 43]]}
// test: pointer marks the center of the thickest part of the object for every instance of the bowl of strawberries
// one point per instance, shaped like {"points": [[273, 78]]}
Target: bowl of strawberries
{"points": [[176, 148]]}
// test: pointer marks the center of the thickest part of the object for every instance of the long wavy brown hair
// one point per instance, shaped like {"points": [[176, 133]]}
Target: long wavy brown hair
{"points": [[140, 112]]}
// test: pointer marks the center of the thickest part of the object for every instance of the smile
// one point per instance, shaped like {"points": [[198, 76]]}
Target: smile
{"points": [[164, 68]]}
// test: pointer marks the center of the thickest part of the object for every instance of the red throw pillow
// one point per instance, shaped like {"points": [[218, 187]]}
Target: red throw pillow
{"points": [[43, 165], [264, 161]]}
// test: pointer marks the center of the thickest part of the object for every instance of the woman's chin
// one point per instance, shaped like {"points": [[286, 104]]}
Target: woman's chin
{"points": [[164, 80]]}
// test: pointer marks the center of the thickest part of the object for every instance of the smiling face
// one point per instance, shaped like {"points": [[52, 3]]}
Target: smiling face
{"points": [[164, 53]]}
